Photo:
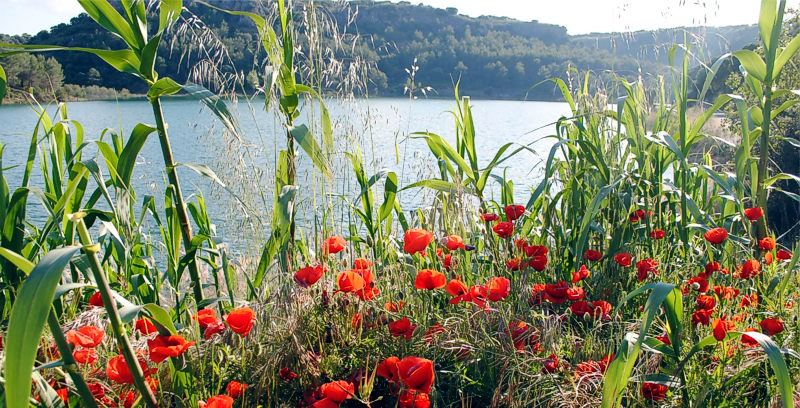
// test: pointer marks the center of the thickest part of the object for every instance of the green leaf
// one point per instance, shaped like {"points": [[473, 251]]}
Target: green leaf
{"points": [[203, 170], [18, 260], [27, 320], [776, 360], [148, 59], [168, 12], [306, 140], [104, 14], [752, 64], [766, 21], [217, 105], [122, 60], [160, 318], [389, 195], [3, 83], [164, 86], [786, 55]]}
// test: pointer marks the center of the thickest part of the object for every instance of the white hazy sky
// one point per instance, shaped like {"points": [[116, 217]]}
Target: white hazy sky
{"points": [[579, 16]]}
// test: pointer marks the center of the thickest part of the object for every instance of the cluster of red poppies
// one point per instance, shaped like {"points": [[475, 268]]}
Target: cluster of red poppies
{"points": [[412, 377]]}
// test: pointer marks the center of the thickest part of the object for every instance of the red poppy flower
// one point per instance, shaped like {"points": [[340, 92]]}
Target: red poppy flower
{"points": [[410, 399], [519, 334], [784, 255], [623, 259], [287, 374], [350, 281], [205, 318], [85, 355], [432, 331], [748, 341], [162, 347], [96, 300], [772, 326], [556, 292], [538, 262], [705, 302], [388, 369], [362, 263], [402, 327], [514, 211], [551, 364], [702, 317], [333, 245], [536, 251], [592, 255], [645, 267], [416, 240], [309, 275], [477, 295], [241, 320], [337, 391], [235, 389], [726, 292], [490, 217], [145, 326], [749, 269], [430, 279], [118, 371], [581, 274], [601, 307], [721, 328], [453, 242], [497, 288], [753, 213], [712, 267], [654, 392], [657, 234], [581, 308], [716, 236], [127, 399], [575, 293], [664, 338], [86, 336], [698, 283], [416, 373], [218, 401], [767, 243], [749, 300], [516, 264], [213, 329], [457, 289], [503, 229]]}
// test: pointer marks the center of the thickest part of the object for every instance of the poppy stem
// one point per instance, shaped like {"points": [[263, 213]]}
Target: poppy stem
{"points": [[70, 366], [91, 249]]}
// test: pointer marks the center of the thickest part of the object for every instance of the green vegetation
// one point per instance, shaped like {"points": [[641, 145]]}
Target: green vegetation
{"points": [[641, 271]]}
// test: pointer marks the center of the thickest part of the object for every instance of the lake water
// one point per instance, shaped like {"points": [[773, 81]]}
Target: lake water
{"points": [[378, 127]]}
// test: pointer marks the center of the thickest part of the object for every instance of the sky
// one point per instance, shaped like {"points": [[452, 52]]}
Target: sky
{"points": [[579, 16]]}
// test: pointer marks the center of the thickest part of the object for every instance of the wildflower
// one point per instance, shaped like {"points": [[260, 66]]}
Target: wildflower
{"points": [[698, 283], [581, 308], [388, 369], [538, 262], [286, 374], [516, 264], [721, 327], [333, 245], [768, 258], [96, 300], [556, 292], [537, 294], [514, 211], [592, 255], [551, 364], [217, 401], [772, 326], [702, 317], [751, 300], [497, 288], [369, 291], [410, 399], [784, 255], [581, 274], [416, 373], [309, 275], [490, 217], [601, 306], [664, 338], [454, 242], [350, 281], [575, 293], [623, 259], [657, 234], [767, 243], [433, 330], [637, 216], [85, 355], [402, 327], [645, 267], [477, 295], [241, 320], [205, 318], [117, 370], [145, 326], [753, 213], [213, 329], [716, 236], [430, 279], [362, 263], [748, 341], [518, 332], [337, 391], [536, 251], [654, 392], [712, 267], [416, 240], [705, 302], [749, 269], [503, 229], [726, 292], [86, 336], [235, 389], [162, 347]]}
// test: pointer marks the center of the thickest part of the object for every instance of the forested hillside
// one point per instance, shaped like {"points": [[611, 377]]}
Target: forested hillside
{"points": [[493, 56]]}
